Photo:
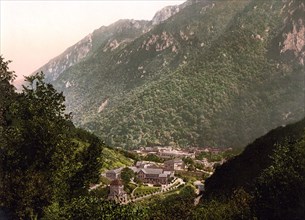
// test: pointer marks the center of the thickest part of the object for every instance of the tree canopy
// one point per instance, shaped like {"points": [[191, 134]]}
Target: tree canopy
{"points": [[44, 158]]}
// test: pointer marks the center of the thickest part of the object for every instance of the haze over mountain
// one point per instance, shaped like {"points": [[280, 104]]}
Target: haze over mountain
{"points": [[206, 72]]}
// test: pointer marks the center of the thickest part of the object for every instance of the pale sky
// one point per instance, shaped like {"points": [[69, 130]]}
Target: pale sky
{"points": [[33, 32]]}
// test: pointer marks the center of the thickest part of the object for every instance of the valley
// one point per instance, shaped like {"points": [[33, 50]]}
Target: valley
{"points": [[198, 113]]}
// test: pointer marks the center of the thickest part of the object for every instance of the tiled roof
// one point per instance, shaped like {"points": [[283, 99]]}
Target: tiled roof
{"points": [[177, 160], [152, 171]]}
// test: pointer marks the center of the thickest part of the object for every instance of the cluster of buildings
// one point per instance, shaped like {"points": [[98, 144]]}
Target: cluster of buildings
{"points": [[170, 152], [147, 172], [166, 152], [150, 172], [157, 173]]}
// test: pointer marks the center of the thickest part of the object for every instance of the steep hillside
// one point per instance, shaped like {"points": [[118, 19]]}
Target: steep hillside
{"points": [[242, 85], [112, 159], [111, 76], [165, 48], [244, 169], [208, 72]]}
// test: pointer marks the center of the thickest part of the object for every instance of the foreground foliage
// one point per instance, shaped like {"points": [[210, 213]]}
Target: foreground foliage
{"points": [[270, 173], [46, 163]]}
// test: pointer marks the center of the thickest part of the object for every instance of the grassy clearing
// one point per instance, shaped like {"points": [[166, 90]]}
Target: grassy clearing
{"points": [[113, 159]]}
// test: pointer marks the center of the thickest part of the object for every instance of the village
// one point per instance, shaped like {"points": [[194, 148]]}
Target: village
{"points": [[175, 168]]}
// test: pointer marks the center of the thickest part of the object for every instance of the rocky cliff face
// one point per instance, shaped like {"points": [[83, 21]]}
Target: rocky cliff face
{"points": [[164, 14], [293, 42], [167, 12]]}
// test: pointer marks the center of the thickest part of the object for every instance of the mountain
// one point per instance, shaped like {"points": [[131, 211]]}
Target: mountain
{"points": [[110, 37], [164, 14], [209, 72]]}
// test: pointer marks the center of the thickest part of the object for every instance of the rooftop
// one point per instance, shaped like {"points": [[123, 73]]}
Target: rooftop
{"points": [[176, 160], [152, 171]]}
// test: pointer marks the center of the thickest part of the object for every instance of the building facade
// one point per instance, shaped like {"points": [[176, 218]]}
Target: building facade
{"points": [[155, 176]]}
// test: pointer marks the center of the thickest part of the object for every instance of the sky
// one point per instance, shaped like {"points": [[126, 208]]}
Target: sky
{"points": [[33, 32]]}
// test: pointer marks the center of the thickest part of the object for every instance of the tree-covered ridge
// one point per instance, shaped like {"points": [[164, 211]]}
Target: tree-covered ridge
{"points": [[227, 95], [269, 174], [244, 169]]}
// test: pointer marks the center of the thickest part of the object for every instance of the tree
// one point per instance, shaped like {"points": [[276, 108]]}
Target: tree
{"points": [[174, 206], [154, 158], [126, 175], [280, 190], [45, 159], [91, 207], [138, 181], [6, 88], [7, 94], [235, 207]]}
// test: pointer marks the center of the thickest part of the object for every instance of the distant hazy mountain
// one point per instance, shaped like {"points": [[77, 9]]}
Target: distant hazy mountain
{"points": [[207, 72], [118, 34]]}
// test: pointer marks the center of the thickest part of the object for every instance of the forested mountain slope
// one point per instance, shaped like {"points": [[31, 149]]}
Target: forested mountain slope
{"points": [[218, 73]]}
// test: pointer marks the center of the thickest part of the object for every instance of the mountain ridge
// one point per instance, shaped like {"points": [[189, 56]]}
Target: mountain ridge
{"points": [[85, 47]]}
